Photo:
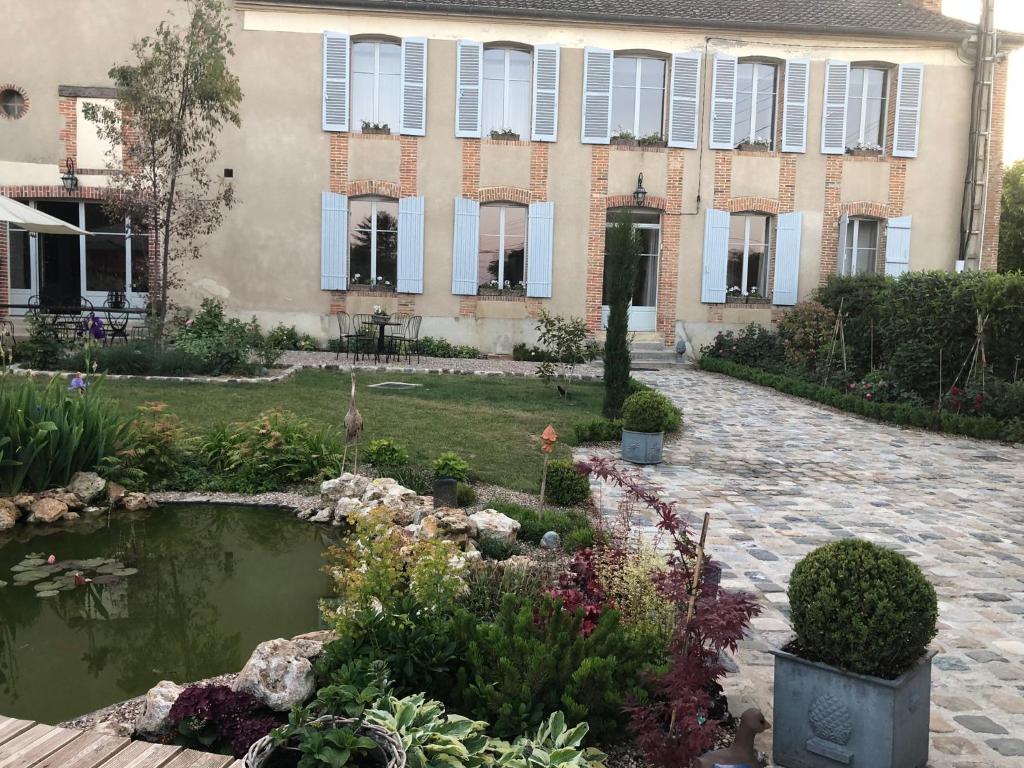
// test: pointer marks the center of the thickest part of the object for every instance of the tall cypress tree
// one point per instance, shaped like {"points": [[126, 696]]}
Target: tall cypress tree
{"points": [[621, 262]]}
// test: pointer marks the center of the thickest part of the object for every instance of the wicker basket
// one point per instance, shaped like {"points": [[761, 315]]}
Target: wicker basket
{"points": [[391, 753]]}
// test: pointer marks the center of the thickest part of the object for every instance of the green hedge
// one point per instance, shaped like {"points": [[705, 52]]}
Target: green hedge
{"points": [[980, 427]]}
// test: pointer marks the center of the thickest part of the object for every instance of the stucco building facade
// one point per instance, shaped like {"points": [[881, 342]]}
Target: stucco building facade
{"points": [[776, 148]]}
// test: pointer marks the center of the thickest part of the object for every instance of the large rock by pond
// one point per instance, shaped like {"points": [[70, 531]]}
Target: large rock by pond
{"points": [[492, 524], [279, 673], [63, 504], [152, 720], [9, 514], [87, 486], [47, 510], [451, 524], [345, 499]]}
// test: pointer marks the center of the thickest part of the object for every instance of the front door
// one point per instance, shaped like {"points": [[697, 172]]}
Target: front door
{"points": [[643, 310]]}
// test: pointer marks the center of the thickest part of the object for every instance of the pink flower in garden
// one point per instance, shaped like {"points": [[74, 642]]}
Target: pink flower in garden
{"points": [[51, 559]]}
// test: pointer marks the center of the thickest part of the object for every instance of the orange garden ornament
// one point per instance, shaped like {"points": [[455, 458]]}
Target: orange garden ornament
{"points": [[548, 438]]}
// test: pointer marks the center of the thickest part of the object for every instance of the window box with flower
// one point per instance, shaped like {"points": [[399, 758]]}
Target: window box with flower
{"points": [[379, 129], [624, 139], [492, 288], [504, 134], [735, 295], [364, 284], [864, 149], [755, 144]]}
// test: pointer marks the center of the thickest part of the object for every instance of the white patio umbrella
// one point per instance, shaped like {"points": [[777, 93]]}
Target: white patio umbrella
{"points": [[29, 218]]}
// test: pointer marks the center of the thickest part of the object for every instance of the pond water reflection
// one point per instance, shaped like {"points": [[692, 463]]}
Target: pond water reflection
{"points": [[212, 582]]}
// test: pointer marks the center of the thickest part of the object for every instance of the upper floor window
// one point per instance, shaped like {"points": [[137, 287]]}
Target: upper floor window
{"points": [[747, 270], [866, 108], [376, 84], [756, 88], [638, 95], [506, 91], [373, 242], [861, 247], [502, 264], [12, 103]]}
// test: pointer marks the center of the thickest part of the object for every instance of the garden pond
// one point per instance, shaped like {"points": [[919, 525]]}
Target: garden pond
{"points": [[181, 593]]}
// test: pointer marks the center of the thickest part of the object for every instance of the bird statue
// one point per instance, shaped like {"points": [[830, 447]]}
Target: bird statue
{"points": [[353, 428], [742, 753]]}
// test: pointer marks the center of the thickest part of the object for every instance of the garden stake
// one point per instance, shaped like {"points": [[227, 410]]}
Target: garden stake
{"points": [[548, 438]]}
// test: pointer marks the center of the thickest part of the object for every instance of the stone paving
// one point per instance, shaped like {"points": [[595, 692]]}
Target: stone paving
{"points": [[781, 476]]}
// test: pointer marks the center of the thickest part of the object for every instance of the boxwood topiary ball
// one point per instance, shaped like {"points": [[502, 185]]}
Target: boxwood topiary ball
{"points": [[862, 607]]}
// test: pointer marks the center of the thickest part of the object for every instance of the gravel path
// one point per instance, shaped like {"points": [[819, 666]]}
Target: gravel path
{"points": [[488, 366]]}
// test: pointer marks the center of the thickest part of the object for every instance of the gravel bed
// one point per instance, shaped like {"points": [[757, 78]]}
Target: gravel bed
{"points": [[487, 366], [290, 499], [486, 494]]}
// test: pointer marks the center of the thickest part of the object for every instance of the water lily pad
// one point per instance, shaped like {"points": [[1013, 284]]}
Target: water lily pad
{"points": [[20, 567], [47, 593], [126, 571], [94, 562], [106, 579], [2, 583], [46, 586], [66, 587], [29, 576], [109, 567], [32, 562]]}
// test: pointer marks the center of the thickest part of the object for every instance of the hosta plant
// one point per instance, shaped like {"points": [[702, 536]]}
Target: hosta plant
{"points": [[431, 738], [553, 745], [321, 744]]}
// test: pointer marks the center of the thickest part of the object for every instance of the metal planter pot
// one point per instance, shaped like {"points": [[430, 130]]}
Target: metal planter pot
{"points": [[825, 717], [642, 447]]}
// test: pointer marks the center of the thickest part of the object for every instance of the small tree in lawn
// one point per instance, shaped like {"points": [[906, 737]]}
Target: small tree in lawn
{"points": [[622, 259], [172, 102]]}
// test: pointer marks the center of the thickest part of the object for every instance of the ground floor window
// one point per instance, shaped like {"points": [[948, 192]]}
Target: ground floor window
{"points": [[373, 242], [749, 245], [502, 264], [64, 268], [643, 308], [861, 252]]}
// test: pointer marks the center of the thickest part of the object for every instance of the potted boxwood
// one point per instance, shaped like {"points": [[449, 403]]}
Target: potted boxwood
{"points": [[854, 687], [646, 417]]}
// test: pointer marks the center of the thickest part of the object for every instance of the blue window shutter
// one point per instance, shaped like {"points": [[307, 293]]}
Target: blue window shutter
{"points": [[336, 83], [466, 247], [410, 245], [794, 110], [334, 242], [844, 234], [540, 250], [469, 73], [597, 96], [723, 102], [546, 60], [833, 113], [897, 246], [908, 110], [716, 256], [787, 259], [414, 86], [684, 108]]}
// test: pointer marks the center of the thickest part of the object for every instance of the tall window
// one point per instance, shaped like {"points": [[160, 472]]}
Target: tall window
{"points": [[648, 227], [506, 95], [21, 258], [373, 242], [376, 84], [638, 95], [747, 273], [502, 264], [866, 108], [861, 247], [756, 86]]}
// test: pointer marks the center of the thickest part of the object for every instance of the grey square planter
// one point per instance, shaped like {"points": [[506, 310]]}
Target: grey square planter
{"points": [[642, 447], [825, 717]]}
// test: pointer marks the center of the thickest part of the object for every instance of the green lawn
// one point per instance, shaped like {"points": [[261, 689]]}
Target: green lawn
{"points": [[494, 423]]}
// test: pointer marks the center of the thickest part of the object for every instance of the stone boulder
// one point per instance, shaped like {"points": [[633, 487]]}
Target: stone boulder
{"points": [[321, 516], [551, 540], [348, 485], [133, 501], [377, 490], [87, 486], [9, 514], [24, 502], [450, 524], [152, 719], [47, 511], [347, 509], [279, 674], [70, 499], [492, 524]]}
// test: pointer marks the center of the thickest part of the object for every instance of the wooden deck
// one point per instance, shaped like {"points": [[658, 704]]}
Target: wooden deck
{"points": [[24, 744]]}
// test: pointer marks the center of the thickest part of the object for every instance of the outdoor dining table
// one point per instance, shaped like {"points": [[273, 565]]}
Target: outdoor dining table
{"points": [[383, 322]]}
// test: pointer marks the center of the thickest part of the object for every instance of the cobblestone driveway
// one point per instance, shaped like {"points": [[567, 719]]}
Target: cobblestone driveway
{"points": [[781, 476]]}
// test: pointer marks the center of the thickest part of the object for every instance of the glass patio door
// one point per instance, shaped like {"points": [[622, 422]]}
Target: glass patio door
{"points": [[643, 310]]}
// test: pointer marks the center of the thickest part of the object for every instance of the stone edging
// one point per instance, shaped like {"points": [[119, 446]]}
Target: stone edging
{"points": [[287, 373]]}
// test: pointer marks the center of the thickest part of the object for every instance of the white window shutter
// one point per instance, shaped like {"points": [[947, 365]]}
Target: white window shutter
{"points": [[684, 109], [794, 110], [723, 102], [335, 96], [333, 242], [410, 245], [597, 96], [716, 256], [546, 63], [844, 233], [540, 250], [787, 258], [414, 86], [468, 88], [833, 115], [908, 110], [897, 246], [466, 247]]}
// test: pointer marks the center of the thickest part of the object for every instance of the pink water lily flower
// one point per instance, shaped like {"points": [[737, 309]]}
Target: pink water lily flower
{"points": [[51, 559]]}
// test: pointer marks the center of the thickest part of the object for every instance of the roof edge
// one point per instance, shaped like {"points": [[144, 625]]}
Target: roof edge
{"points": [[424, 6]]}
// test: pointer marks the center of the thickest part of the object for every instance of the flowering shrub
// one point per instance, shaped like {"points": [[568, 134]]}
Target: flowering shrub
{"points": [[216, 718], [753, 345], [965, 400], [804, 330]]}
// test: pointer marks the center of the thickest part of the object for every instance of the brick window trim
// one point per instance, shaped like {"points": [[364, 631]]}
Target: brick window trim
{"points": [[24, 95], [504, 194], [865, 209], [652, 202], [762, 205], [378, 187]]}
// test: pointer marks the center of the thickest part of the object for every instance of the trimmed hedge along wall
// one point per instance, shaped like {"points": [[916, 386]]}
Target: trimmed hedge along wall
{"points": [[980, 427]]}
